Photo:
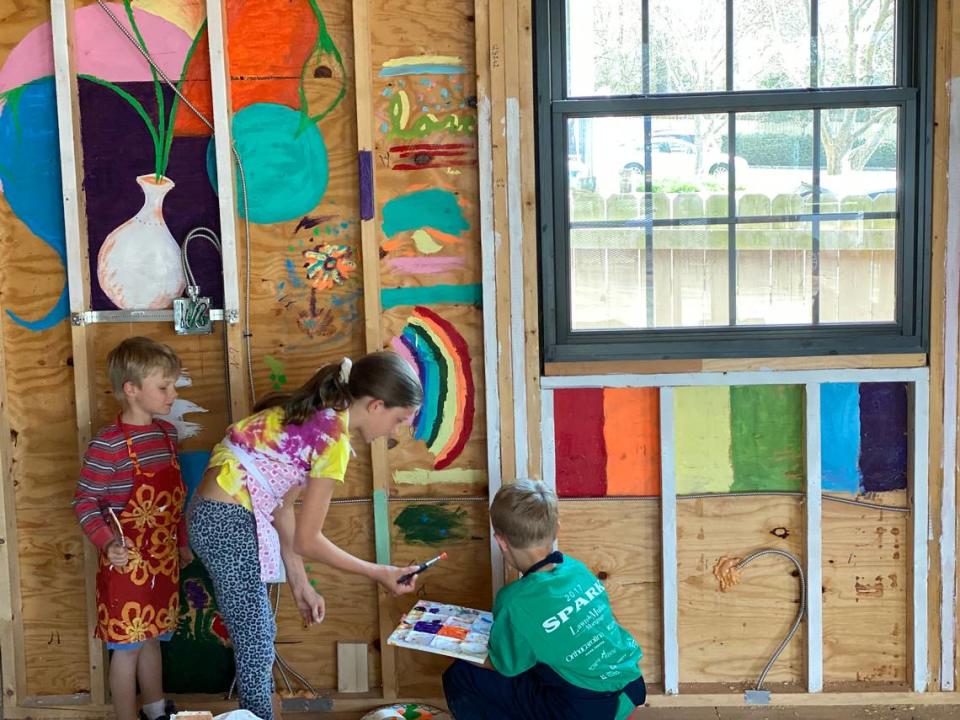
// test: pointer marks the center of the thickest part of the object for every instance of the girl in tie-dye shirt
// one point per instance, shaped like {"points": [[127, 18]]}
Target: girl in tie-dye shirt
{"points": [[242, 524]]}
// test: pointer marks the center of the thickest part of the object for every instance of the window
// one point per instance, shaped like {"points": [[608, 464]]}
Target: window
{"points": [[733, 177]]}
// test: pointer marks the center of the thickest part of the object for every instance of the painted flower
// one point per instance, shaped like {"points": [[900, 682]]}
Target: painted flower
{"points": [[329, 265], [136, 566], [135, 623], [163, 556]]}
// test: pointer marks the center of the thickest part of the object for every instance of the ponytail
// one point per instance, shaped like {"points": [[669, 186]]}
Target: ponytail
{"points": [[381, 375]]}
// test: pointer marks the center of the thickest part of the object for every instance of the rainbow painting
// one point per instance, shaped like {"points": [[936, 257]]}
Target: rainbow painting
{"points": [[743, 438], [439, 354]]}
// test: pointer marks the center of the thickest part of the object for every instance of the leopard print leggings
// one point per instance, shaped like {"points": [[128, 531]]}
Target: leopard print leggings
{"points": [[224, 537]]}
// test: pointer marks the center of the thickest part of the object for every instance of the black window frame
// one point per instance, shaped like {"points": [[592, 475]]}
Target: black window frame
{"points": [[913, 94]]}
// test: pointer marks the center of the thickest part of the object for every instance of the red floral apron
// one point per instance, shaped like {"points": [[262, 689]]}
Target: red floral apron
{"points": [[140, 601]]}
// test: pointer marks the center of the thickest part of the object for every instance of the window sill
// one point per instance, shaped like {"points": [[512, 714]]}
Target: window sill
{"points": [[641, 367]]}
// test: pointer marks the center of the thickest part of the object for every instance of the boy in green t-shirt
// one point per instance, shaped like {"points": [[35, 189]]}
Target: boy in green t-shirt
{"points": [[556, 650]]}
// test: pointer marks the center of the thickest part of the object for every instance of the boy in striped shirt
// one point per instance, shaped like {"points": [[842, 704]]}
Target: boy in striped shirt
{"points": [[129, 501]]}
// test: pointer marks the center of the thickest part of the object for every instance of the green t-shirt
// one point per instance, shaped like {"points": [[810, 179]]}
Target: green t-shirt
{"points": [[562, 618]]}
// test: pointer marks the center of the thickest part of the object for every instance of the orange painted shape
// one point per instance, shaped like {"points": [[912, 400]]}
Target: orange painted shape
{"points": [[631, 432]]}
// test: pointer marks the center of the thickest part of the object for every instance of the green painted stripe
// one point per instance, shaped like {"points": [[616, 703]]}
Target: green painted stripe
{"points": [[431, 295], [767, 432], [381, 526]]}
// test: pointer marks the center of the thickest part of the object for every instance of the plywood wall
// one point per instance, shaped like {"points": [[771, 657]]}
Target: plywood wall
{"points": [[306, 201]]}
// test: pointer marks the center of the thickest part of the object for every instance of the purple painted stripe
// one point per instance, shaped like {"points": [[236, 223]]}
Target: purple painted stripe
{"points": [[425, 265], [883, 436], [365, 160]]}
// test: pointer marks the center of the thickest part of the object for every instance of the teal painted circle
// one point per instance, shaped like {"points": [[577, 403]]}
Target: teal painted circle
{"points": [[285, 165]]}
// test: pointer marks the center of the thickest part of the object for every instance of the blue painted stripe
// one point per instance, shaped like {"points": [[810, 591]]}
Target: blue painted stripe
{"points": [[840, 437], [422, 70], [429, 379], [431, 295]]}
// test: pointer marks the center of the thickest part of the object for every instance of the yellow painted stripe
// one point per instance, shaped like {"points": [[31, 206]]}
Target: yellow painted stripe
{"points": [[424, 60], [703, 441]]}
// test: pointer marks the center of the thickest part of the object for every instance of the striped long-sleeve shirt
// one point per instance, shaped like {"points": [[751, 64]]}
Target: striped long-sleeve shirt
{"points": [[107, 475]]}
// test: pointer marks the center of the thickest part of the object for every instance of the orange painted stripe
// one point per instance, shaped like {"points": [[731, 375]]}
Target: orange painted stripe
{"points": [[631, 432]]}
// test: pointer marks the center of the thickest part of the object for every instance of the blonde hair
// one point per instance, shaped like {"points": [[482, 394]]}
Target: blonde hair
{"points": [[524, 514], [135, 358]]}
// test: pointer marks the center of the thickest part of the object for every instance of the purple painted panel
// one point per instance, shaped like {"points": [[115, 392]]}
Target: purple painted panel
{"points": [[883, 436], [116, 149], [365, 160]]}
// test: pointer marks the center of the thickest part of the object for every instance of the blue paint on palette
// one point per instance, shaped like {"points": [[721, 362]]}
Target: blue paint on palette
{"points": [[840, 437]]}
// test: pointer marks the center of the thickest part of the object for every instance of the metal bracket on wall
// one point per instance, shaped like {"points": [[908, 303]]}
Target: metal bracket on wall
{"points": [[93, 317]]}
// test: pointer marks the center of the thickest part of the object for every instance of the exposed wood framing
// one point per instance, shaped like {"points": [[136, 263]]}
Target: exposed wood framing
{"points": [[233, 254], [945, 303], [488, 251], [78, 278], [370, 253]]}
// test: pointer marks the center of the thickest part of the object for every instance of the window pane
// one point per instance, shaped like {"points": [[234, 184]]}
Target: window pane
{"points": [[858, 265], [687, 155], [856, 43], [604, 47], [859, 150], [607, 280], [774, 273], [690, 273], [771, 44], [687, 46], [777, 157], [686, 161]]}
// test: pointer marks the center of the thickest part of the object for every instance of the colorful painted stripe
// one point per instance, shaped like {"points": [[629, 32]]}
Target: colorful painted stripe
{"points": [[631, 434], [581, 452], [884, 450], [702, 430], [767, 437], [422, 156], [431, 295], [840, 437], [423, 65]]}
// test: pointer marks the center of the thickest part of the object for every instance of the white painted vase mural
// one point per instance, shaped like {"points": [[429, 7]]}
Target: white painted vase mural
{"points": [[139, 263]]}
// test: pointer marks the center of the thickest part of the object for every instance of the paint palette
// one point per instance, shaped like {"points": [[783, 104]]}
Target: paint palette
{"points": [[451, 630]]}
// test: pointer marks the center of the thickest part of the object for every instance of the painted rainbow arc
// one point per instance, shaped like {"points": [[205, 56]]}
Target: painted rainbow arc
{"points": [[438, 353]]}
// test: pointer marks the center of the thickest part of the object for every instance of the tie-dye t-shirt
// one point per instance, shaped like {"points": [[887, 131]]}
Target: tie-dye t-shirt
{"points": [[319, 448]]}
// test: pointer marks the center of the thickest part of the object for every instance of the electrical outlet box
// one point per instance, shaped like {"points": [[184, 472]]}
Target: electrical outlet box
{"points": [[191, 316], [757, 697]]}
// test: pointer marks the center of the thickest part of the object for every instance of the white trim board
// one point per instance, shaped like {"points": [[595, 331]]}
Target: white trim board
{"points": [[668, 539], [814, 537]]}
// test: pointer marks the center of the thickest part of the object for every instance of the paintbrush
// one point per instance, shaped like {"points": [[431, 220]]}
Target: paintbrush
{"points": [[404, 579], [116, 521]]}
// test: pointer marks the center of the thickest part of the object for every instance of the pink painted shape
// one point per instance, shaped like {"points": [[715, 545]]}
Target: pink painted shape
{"points": [[102, 50], [425, 265]]}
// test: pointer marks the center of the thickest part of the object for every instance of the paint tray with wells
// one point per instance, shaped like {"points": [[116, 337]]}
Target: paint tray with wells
{"points": [[450, 630]]}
